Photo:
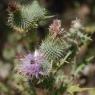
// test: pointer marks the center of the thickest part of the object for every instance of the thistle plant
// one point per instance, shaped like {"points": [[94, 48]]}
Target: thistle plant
{"points": [[57, 50]]}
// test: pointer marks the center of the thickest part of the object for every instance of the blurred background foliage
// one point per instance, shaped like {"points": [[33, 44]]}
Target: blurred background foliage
{"points": [[24, 35]]}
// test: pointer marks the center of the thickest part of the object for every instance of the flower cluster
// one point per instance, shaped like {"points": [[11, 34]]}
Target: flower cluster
{"points": [[51, 51]]}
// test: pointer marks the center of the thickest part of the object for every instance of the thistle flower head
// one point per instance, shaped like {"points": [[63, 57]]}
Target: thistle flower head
{"points": [[76, 24], [33, 65], [55, 27]]}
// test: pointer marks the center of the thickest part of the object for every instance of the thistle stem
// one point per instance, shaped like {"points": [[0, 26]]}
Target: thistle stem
{"points": [[64, 60]]}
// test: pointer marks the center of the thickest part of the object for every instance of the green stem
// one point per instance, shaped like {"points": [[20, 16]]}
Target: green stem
{"points": [[64, 60], [74, 66]]}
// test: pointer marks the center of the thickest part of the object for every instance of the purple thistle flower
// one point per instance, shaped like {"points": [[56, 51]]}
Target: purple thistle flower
{"points": [[30, 69], [31, 64]]}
